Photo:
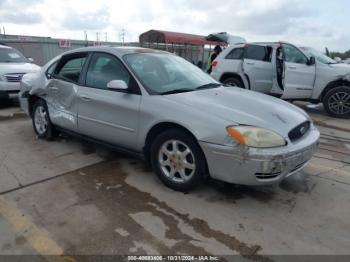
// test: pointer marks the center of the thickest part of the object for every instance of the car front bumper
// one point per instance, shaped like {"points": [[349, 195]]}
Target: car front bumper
{"points": [[9, 90], [251, 166]]}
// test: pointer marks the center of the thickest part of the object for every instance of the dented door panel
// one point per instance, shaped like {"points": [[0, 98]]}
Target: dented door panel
{"points": [[61, 97]]}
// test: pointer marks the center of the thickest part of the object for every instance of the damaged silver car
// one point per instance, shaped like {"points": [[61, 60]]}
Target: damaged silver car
{"points": [[158, 105]]}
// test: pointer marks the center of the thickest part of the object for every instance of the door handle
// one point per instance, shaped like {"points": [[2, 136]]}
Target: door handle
{"points": [[250, 63], [53, 88], [292, 67], [85, 98]]}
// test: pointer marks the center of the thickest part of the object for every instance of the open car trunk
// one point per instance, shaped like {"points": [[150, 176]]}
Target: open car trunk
{"points": [[227, 38]]}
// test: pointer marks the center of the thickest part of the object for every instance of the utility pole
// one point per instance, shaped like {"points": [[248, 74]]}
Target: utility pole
{"points": [[122, 35], [97, 37], [86, 39], [105, 36]]}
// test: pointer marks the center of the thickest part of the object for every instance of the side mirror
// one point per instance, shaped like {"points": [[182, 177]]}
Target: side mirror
{"points": [[312, 61], [117, 85], [30, 59]]}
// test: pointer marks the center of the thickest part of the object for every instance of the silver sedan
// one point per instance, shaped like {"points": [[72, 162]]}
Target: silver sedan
{"points": [[157, 105]]}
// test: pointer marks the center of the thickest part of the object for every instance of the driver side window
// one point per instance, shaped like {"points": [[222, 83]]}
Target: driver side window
{"points": [[293, 55], [104, 68]]}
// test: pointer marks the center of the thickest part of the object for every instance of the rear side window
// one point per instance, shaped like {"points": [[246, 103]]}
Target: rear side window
{"points": [[70, 68], [256, 52], [51, 69], [236, 54]]}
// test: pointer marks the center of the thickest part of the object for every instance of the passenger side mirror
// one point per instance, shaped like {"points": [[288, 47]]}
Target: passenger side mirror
{"points": [[312, 61], [117, 85], [30, 59]]}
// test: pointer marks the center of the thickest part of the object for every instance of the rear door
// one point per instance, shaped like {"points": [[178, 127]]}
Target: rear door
{"points": [[62, 90], [105, 114], [257, 66], [298, 76]]}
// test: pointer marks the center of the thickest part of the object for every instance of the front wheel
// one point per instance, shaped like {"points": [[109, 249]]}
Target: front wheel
{"points": [[178, 160], [41, 121], [337, 102]]}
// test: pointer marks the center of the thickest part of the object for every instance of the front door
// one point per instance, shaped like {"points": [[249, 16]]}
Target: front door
{"points": [[299, 75], [257, 66], [105, 114], [62, 91]]}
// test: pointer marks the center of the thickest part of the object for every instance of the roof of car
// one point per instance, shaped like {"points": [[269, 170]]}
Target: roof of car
{"points": [[115, 50]]}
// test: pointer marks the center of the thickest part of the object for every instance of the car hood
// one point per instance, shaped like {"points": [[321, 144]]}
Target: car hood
{"points": [[239, 106], [341, 69], [8, 68]]}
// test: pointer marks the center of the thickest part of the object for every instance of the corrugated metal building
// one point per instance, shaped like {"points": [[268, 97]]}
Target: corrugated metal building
{"points": [[43, 49]]}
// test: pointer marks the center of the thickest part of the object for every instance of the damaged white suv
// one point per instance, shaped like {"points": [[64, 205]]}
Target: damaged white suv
{"points": [[288, 72]]}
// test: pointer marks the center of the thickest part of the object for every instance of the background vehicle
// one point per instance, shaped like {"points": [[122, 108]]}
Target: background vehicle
{"points": [[288, 72], [158, 105], [13, 65]]}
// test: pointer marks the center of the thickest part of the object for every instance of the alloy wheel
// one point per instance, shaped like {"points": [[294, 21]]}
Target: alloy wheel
{"points": [[177, 161], [40, 120], [339, 103]]}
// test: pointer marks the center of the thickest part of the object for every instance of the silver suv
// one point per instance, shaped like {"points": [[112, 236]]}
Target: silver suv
{"points": [[288, 72], [158, 105], [13, 65]]}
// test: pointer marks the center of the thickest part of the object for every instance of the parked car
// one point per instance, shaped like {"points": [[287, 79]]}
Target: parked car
{"points": [[158, 105], [286, 71], [13, 65]]}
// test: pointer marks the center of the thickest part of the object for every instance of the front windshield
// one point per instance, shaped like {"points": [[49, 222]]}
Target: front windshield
{"points": [[318, 55], [10, 55], [164, 73]]}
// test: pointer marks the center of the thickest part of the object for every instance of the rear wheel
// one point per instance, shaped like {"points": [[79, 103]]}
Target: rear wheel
{"points": [[232, 81], [41, 121], [337, 102], [178, 160]]}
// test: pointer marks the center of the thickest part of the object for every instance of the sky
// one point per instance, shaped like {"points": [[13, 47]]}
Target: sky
{"points": [[316, 23]]}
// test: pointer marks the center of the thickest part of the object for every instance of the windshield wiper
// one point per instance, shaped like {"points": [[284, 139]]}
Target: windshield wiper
{"points": [[208, 86], [176, 91]]}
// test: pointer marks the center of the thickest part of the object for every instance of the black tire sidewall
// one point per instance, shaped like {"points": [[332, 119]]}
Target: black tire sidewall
{"points": [[50, 131], [200, 172], [329, 94], [238, 82]]}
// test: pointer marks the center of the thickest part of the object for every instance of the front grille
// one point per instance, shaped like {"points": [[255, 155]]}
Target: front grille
{"points": [[14, 78], [299, 131]]}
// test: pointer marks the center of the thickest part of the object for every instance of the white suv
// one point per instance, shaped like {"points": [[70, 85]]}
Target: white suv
{"points": [[13, 65], [288, 72]]}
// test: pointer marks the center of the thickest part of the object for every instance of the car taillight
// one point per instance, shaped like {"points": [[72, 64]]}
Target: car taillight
{"points": [[214, 63]]}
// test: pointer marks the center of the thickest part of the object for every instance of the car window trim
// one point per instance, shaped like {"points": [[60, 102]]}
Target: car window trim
{"points": [[136, 89], [61, 62], [49, 76]]}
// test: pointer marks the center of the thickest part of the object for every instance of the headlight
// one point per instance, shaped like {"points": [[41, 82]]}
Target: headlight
{"points": [[255, 136]]}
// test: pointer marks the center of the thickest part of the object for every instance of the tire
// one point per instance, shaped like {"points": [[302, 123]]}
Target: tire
{"points": [[180, 173], [41, 121], [232, 81], [336, 102]]}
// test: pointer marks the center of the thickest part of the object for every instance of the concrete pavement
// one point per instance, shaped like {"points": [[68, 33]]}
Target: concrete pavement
{"points": [[75, 199]]}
